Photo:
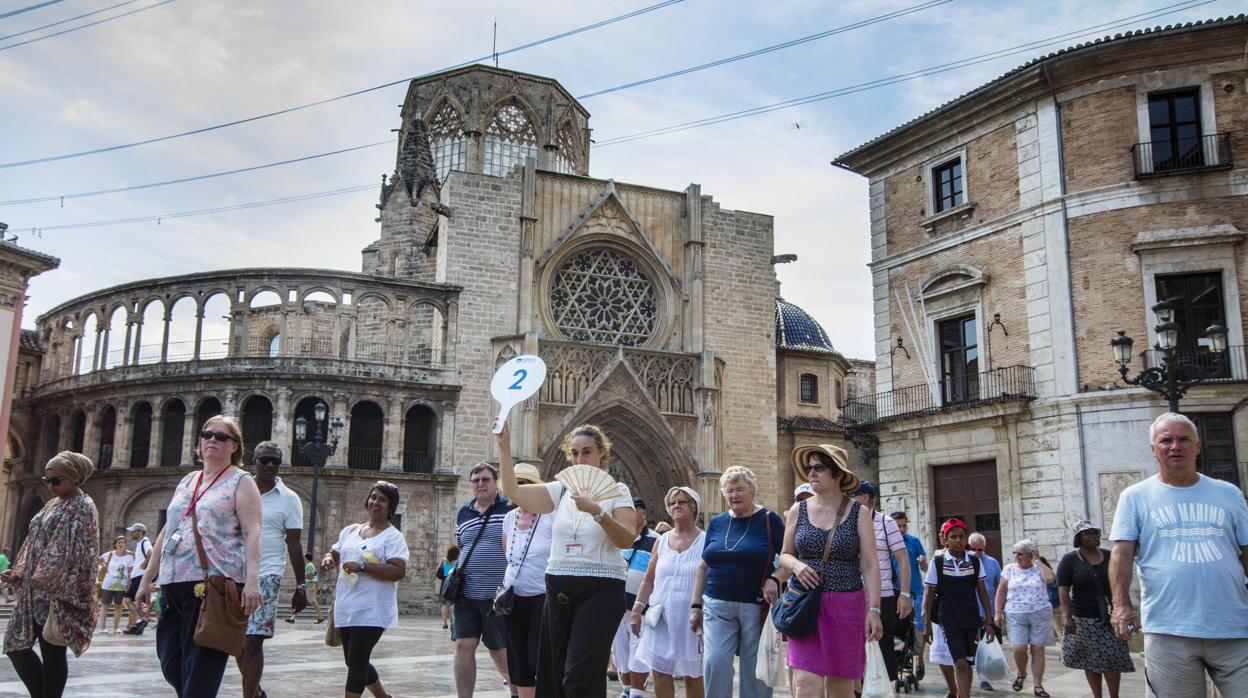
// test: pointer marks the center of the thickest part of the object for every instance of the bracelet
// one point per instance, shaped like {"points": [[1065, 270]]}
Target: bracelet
{"points": [[773, 578], [874, 609], [906, 594], [638, 603], [697, 606]]}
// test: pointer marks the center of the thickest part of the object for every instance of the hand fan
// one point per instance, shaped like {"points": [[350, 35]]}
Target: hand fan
{"points": [[586, 480]]}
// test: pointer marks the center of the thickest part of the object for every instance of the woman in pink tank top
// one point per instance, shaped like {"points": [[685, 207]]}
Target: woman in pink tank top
{"points": [[226, 506]]}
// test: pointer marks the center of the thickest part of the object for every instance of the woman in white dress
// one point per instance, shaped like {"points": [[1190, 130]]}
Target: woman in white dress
{"points": [[668, 644]]}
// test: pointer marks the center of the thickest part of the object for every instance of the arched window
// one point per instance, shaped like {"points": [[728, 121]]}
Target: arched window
{"points": [[173, 416], [420, 433], [257, 423], [275, 344], [510, 139], [78, 432], [568, 154], [601, 295], [447, 141], [140, 435], [107, 423]]}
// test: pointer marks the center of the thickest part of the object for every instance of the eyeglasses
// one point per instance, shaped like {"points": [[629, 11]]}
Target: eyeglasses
{"points": [[54, 481], [269, 460], [977, 550], [215, 436], [481, 480]]}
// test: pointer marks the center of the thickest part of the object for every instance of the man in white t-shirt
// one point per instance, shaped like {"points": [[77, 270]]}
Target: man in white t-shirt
{"points": [[281, 528], [142, 548]]}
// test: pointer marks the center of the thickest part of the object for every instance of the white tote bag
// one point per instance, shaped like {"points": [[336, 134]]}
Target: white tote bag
{"points": [[875, 683], [769, 668]]}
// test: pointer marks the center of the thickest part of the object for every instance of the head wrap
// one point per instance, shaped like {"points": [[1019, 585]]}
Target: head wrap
{"points": [[74, 466], [697, 501]]}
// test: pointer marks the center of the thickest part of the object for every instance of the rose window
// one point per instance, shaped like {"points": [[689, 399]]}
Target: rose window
{"points": [[602, 296]]}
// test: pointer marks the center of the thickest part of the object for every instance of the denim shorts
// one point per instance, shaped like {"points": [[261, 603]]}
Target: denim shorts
{"points": [[1033, 628], [475, 618]]}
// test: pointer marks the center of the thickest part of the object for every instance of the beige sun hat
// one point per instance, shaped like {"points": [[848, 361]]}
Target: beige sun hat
{"points": [[838, 455], [528, 471]]}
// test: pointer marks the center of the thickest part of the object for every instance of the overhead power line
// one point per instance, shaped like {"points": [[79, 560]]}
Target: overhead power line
{"points": [[327, 100], [894, 79], [84, 26], [196, 178], [198, 212], [21, 10], [769, 49], [70, 19]]}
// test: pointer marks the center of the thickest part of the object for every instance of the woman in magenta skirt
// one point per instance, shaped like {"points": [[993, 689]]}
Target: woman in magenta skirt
{"points": [[830, 661]]}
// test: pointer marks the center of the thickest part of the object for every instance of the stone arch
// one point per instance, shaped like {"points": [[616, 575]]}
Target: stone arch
{"points": [[86, 346], [420, 438], [448, 138], [952, 278], [645, 454], [16, 446], [146, 504], [367, 435], [568, 149], [150, 331], [256, 421], [78, 431], [305, 295], [256, 292], [173, 420], [140, 434], [303, 407], [105, 423]]}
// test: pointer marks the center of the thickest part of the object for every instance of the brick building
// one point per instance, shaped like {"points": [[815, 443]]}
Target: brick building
{"points": [[655, 311], [1014, 230]]}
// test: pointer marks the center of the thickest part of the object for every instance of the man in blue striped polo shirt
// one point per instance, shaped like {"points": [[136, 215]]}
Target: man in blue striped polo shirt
{"points": [[479, 533]]}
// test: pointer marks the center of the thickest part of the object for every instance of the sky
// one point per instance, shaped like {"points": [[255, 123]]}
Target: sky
{"points": [[184, 65]]}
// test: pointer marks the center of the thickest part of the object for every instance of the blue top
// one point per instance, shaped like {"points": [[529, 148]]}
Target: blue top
{"points": [[738, 555], [914, 548], [484, 570], [1191, 578], [992, 577]]}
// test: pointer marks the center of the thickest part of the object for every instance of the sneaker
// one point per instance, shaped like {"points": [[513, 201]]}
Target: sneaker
{"points": [[138, 627], [290, 619]]}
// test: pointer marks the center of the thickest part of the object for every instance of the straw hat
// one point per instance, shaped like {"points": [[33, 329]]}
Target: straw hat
{"points": [[528, 471], [801, 455]]}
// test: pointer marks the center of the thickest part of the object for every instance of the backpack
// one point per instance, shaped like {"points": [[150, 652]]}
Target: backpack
{"points": [[939, 561]]}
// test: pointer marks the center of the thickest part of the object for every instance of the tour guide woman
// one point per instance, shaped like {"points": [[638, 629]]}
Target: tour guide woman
{"points": [[54, 575], [828, 662], [373, 556], [226, 504], [586, 572]]}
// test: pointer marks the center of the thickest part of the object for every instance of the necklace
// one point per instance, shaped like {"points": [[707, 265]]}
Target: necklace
{"points": [[750, 522]]}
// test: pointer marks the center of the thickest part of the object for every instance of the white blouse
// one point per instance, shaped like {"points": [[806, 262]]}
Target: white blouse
{"points": [[579, 547], [527, 572]]}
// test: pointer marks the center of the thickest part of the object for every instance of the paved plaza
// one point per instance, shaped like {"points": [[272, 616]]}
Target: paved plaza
{"points": [[414, 660]]}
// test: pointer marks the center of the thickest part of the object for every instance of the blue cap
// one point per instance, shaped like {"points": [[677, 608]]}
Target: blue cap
{"points": [[865, 487]]}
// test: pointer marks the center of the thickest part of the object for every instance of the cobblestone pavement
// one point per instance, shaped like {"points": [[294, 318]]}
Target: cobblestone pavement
{"points": [[413, 660]]}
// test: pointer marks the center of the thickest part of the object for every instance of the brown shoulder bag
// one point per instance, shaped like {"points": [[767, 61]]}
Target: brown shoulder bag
{"points": [[222, 623]]}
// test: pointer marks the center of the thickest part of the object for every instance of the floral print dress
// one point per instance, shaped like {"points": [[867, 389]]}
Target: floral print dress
{"points": [[58, 567]]}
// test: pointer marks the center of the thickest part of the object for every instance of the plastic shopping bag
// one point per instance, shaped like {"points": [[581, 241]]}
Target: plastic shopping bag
{"points": [[769, 668], [990, 662], [875, 683]]}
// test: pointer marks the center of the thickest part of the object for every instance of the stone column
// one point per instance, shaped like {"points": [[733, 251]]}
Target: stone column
{"points": [[229, 404], [392, 451], [283, 434], [91, 435], [125, 350], [451, 332], [445, 462], [121, 437], [136, 346], [164, 341], [190, 437], [338, 410], [157, 436], [199, 331]]}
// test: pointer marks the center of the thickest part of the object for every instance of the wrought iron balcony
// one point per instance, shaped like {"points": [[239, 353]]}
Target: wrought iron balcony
{"points": [[1182, 155], [998, 385], [1232, 368]]}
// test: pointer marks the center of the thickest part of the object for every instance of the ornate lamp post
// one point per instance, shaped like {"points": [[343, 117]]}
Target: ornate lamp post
{"points": [[1173, 377], [318, 452]]}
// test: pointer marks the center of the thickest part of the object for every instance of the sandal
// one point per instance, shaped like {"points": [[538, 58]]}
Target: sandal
{"points": [[1018, 684], [1040, 692]]}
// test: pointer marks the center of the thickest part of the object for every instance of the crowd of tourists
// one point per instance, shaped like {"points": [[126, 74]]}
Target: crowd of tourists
{"points": [[569, 590]]}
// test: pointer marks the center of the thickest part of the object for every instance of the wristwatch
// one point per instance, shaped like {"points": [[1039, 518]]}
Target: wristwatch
{"points": [[301, 587], [906, 594], [363, 565], [600, 515]]}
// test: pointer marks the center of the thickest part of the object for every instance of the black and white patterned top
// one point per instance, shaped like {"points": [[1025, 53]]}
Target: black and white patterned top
{"points": [[841, 572]]}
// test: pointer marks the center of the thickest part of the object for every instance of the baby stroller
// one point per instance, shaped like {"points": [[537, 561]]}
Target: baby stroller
{"points": [[904, 643]]}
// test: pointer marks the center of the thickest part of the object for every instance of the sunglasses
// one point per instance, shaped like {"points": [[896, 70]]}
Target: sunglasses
{"points": [[215, 436], [54, 481], [269, 460], [818, 468]]}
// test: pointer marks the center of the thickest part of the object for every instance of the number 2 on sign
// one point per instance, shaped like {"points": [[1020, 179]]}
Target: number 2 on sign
{"points": [[522, 375]]}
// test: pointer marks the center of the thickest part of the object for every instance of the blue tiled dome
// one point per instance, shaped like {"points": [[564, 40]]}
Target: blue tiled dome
{"points": [[797, 330]]}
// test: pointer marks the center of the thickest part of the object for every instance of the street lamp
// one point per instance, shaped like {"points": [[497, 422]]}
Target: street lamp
{"points": [[1173, 377], [318, 452]]}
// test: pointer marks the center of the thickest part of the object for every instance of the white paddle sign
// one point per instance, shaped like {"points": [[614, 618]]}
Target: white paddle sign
{"points": [[514, 382]]}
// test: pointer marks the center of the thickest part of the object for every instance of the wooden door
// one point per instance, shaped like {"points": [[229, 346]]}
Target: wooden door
{"points": [[968, 491]]}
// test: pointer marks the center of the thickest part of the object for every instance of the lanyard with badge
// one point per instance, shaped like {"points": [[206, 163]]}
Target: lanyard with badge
{"points": [[176, 537]]}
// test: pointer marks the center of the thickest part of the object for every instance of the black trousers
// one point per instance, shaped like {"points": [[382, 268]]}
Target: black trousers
{"points": [[44, 674], [888, 619], [524, 636], [357, 649], [577, 629], [193, 671]]}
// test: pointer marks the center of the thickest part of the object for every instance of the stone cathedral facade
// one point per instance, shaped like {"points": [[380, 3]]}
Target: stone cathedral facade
{"points": [[655, 311]]}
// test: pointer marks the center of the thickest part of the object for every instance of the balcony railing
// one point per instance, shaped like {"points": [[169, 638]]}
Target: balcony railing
{"points": [[1182, 155], [417, 462], [998, 385], [1232, 368], [362, 458]]}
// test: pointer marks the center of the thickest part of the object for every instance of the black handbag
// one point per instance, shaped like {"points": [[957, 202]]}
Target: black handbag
{"points": [[505, 597], [796, 612], [453, 584]]}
